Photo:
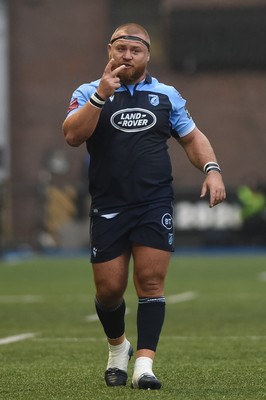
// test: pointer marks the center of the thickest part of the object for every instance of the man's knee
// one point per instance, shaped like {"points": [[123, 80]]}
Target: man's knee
{"points": [[109, 294], [148, 285]]}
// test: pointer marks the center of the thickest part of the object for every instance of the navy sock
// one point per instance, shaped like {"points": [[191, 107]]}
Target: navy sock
{"points": [[113, 320], [150, 319]]}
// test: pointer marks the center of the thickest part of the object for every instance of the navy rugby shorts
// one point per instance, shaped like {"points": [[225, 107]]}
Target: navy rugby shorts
{"points": [[149, 225]]}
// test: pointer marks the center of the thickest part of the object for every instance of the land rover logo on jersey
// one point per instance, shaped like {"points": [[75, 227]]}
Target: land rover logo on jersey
{"points": [[132, 120]]}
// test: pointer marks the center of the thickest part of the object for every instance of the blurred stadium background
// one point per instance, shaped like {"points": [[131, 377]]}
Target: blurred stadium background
{"points": [[213, 51]]}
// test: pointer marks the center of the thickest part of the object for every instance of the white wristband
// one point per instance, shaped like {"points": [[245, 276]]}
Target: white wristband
{"points": [[96, 100], [211, 166]]}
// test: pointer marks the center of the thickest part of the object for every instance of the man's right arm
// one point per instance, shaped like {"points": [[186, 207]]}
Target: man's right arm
{"points": [[80, 125]]}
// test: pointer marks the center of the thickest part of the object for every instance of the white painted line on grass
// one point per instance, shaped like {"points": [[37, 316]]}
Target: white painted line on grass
{"points": [[218, 338], [167, 338], [27, 298], [262, 276], [92, 318], [178, 298], [16, 338], [69, 339]]}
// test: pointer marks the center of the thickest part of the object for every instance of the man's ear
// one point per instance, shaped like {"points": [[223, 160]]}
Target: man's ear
{"points": [[109, 46]]}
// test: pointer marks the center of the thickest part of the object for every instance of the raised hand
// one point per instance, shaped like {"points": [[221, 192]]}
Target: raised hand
{"points": [[109, 81]]}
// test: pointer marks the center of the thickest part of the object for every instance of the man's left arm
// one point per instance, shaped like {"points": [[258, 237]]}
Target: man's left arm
{"points": [[200, 152]]}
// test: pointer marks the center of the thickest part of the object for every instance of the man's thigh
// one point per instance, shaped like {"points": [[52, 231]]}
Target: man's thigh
{"points": [[150, 269], [111, 279]]}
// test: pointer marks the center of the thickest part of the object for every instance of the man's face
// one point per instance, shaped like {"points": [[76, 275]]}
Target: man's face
{"points": [[131, 53]]}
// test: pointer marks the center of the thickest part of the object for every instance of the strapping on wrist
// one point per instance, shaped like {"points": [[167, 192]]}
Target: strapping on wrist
{"points": [[96, 100], [211, 166]]}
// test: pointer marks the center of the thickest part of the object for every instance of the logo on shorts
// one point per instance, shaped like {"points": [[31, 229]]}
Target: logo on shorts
{"points": [[167, 221], [170, 239], [94, 252], [132, 120]]}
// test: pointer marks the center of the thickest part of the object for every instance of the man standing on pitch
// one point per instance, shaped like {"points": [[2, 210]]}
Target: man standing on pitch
{"points": [[125, 118]]}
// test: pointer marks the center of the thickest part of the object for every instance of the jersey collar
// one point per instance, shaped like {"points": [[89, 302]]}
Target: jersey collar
{"points": [[148, 78]]}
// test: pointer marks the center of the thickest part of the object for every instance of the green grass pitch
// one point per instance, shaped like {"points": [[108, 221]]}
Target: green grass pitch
{"points": [[213, 344]]}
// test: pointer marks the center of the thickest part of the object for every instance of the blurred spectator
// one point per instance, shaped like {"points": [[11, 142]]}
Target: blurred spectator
{"points": [[253, 201]]}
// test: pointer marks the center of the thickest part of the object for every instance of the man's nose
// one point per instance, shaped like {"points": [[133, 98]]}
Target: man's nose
{"points": [[127, 54]]}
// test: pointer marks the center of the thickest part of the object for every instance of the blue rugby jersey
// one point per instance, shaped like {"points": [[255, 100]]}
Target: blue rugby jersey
{"points": [[129, 160]]}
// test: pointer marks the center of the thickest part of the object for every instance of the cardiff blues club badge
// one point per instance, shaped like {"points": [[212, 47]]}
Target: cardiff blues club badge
{"points": [[154, 99]]}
